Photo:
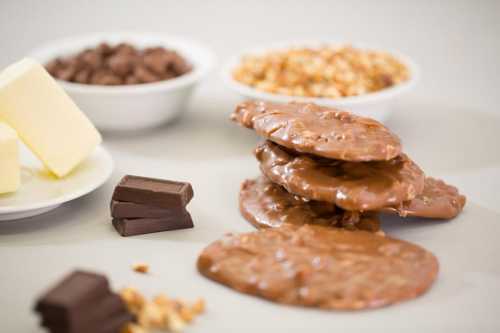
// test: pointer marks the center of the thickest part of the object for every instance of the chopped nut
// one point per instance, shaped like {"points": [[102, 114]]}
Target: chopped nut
{"points": [[162, 313], [174, 321], [151, 316], [163, 300], [133, 299], [329, 71], [199, 306], [141, 268], [186, 314]]}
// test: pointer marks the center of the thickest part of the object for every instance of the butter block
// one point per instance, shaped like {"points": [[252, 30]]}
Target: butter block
{"points": [[10, 170], [45, 117]]}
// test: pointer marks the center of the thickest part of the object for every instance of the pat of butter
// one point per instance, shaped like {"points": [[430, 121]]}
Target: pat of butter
{"points": [[45, 117], [10, 175]]}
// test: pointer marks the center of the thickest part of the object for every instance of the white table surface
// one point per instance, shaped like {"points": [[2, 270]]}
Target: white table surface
{"points": [[450, 124]]}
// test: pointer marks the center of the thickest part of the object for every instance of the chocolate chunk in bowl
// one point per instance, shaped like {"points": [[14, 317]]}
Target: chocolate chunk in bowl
{"points": [[139, 226], [358, 186], [321, 267], [121, 89], [120, 64], [321, 131], [268, 205], [438, 200]]}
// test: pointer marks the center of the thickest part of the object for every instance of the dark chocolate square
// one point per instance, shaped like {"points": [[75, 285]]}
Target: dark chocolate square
{"points": [[74, 292], [131, 227], [112, 324], [103, 309], [153, 192], [130, 210]]}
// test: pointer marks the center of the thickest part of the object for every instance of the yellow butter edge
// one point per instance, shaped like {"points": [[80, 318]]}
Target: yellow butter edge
{"points": [[11, 72]]}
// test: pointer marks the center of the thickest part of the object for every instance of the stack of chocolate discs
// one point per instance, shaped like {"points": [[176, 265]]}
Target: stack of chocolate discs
{"points": [[330, 167], [144, 205], [81, 303]]}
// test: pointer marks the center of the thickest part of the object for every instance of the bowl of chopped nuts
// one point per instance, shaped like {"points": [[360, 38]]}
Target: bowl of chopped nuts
{"points": [[127, 81], [360, 79]]}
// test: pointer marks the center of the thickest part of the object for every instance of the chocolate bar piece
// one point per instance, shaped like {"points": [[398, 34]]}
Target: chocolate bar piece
{"points": [[103, 309], [110, 325], [76, 291], [131, 227], [122, 210], [153, 192]]}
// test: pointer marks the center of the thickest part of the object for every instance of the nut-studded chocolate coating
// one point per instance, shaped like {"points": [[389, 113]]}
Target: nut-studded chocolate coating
{"points": [[349, 185], [321, 131], [267, 205], [322, 267], [438, 200]]}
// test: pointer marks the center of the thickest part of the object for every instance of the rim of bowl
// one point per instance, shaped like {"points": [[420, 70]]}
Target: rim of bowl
{"points": [[200, 56], [369, 98]]}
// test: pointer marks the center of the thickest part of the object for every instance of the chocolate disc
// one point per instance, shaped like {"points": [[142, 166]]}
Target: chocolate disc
{"points": [[267, 205], [438, 200], [357, 186], [315, 266], [321, 131]]}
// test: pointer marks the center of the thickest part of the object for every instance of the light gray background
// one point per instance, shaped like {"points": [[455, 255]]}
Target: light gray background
{"points": [[449, 124]]}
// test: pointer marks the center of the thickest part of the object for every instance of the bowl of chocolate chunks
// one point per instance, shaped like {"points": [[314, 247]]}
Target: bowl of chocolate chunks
{"points": [[127, 81]]}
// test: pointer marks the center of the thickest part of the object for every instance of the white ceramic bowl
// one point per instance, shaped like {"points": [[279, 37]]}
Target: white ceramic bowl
{"points": [[375, 105], [132, 107]]}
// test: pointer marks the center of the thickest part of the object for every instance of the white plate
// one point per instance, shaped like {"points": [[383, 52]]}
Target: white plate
{"points": [[41, 192]]}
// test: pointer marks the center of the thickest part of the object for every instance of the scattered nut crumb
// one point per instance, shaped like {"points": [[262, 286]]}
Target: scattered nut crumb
{"points": [[133, 299], [162, 313], [327, 71], [141, 268], [199, 306]]}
